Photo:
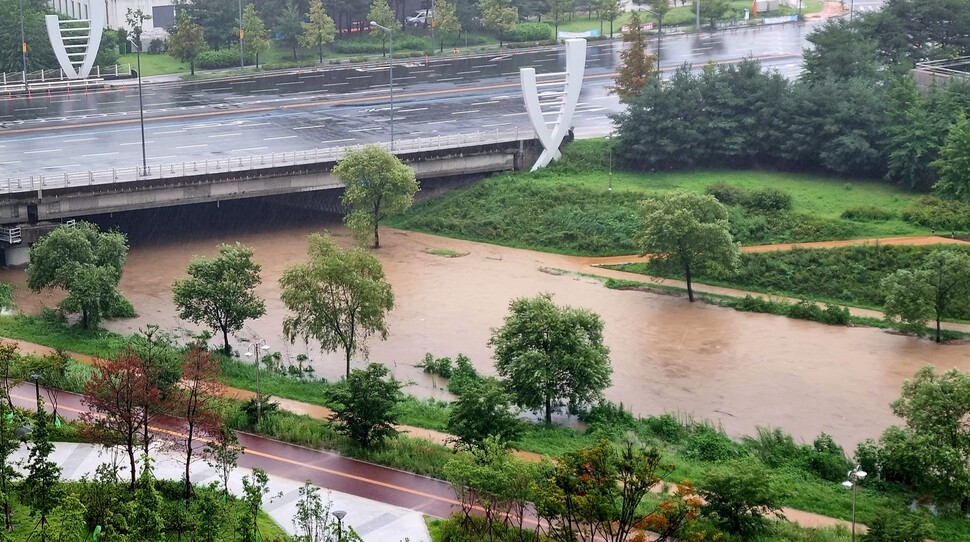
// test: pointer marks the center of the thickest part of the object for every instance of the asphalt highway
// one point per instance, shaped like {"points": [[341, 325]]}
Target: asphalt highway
{"points": [[316, 108]]}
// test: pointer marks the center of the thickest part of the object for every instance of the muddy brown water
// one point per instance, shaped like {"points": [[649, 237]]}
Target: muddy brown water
{"points": [[740, 370]]}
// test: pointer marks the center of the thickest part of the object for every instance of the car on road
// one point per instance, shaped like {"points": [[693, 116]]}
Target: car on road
{"points": [[419, 18]]}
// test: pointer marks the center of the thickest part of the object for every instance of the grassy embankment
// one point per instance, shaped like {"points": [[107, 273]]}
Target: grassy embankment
{"points": [[693, 447]]}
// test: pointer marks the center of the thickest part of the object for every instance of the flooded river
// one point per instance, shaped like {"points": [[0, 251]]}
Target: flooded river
{"points": [[741, 370]]}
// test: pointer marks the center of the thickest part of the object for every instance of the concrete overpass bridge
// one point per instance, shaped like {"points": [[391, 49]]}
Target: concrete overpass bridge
{"points": [[27, 204]]}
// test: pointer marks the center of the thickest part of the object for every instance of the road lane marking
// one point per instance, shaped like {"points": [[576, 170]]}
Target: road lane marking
{"points": [[233, 134], [338, 140], [464, 112], [280, 137], [40, 151], [99, 154], [249, 149], [192, 146], [80, 139], [133, 143]]}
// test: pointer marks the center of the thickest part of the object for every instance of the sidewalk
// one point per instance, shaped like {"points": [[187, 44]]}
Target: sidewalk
{"points": [[374, 521]]}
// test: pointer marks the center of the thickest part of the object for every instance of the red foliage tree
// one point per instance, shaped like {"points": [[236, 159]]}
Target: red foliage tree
{"points": [[198, 403], [121, 394]]}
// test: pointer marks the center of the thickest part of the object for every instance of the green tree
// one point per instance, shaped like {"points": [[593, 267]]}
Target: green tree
{"points": [[376, 185], [660, 9], [840, 52], [147, 520], [135, 20], [366, 405], [67, 520], [446, 20], [741, 494], [499, 16], [935, 407], [289, 26], [712, 10], [689, 231], [218, 19], [893, 526], [610, 10], [40, 54], [186, 40], [636, 66], [319, 30], [41, 488], [380, 12], [255, 33], [550, 355], [484, 409], [220, 292], [312, 520], [86, 263], [339, 298], [559, 10], [255, 487], [953, 163], [913, 296], [222, 453]]}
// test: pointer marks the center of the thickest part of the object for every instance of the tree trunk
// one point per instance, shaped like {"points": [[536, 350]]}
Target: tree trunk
{"points": [[131, 462], [347, 354], [191, 67], [188, 460], [226, 349], [84, 318], [690, 288], [294, 53], [377, 235], [938, 316], [321, 52], [548, 410]]}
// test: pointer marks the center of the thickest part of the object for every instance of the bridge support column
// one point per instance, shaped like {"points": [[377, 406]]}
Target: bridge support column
{"points": [[16, 255]]}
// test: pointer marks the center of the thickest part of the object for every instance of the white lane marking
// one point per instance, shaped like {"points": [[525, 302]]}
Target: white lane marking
{"points": [[514, 114], [45, 150], [441, 122], [486, 103], [470, 71], [99, 154], [233, 134], [134, 143], [413, 109], [358, 77], [171, 132], [280, 137], [289, 83], [249, 149], [192, 146], [80, 139], [333, 84], [162, 157], [310, 127], [29, 108], [494, 125], [450, 79], [60, 166], [338, 140], [10, 162], [364, 130], [464, 112]]}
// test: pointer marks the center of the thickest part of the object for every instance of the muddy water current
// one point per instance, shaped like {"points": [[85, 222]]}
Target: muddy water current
{"points": [[740, 370]]}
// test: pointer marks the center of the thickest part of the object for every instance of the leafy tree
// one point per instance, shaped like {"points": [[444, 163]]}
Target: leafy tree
{"points": [[255, 33], [319, 30], [8, 445], [376, 185], [366, 405], [660, 9], [41, 488], [116, 394], [158, 351], [913, 137], [953, 163], [186, 40], [380, 12], [217, 18], [446, 20], [688, 230], [550, 354], [40, 55], [289, 27], [223, 454], [484, 409], [913, 296], [610, 10], [67, 520], [339, 298], [893, 526], [935, 407], [147, 522], [83, 261], [676, 517], [312, 520], [559, 10], [220, 291], [636, 66], [255, 487], [199, 404], [135, 20], [712, 10], [839, 52], [594, 492], [910, 31], [499, 16], [741, 494]]}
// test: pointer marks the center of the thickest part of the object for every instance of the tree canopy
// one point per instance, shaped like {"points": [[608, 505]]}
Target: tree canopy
{"points": [[220, 292], [914, 296], [319, 30], [551, 355], [339, 298], [689, 231], [366, 405], [186, 40], [376, 185], [636, 66], [87, 264]]}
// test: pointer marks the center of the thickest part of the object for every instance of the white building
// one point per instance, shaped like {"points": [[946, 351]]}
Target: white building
{"points": [[162, 12]]}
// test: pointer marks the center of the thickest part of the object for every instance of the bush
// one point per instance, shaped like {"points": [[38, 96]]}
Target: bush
{"points": [[727, 193], [805, 310], [936, 213], [666, 427], [775, 447], [893, 526], [767, 200], [356, 47], [440, 366], [608, 413], [827, 459], [709, 444], [870, 212], [524, 32], [156, 46], [221, 58], [740, 495], [463, 375], [750, 303], [835, 315]]}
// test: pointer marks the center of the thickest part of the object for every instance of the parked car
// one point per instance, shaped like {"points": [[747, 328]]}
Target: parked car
{"points": [[420, 18]]}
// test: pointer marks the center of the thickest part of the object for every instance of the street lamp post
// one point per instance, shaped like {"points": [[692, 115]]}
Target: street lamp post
{"points": [[242, 34], [254, 351], [23, 44], [390, 69], [141, 106], [36, 378], [855, 475], [697, 15], [339, 514]]}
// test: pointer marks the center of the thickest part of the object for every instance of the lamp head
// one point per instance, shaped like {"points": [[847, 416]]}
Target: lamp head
{"points": [[339, 514], [847, 484]]}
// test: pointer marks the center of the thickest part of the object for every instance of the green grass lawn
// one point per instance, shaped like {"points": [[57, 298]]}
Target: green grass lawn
{"points": [[155, 64]]}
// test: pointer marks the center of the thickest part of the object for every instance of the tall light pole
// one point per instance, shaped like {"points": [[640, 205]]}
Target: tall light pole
{"points": [[390, 69], [23, 43], [697, 15], [141, 106], [254, 351], [242, 34], [855, 475]]}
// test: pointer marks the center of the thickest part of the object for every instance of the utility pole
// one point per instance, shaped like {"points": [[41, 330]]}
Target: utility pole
{"points": [[697, 15], [242, 34], [23, 44]]}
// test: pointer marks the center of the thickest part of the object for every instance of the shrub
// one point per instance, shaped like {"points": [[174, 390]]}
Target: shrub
{"points": [[893, 526], [937, 213], [740, 495], [221, 58], [870, 212], [835, 315], [726, 193], [867, 456], [767, 200], [356, 47], [156, 46], [666, 427], [440, 366], [583, 156], [750, 303], [774, 447], [608, 413], [827, 459], [805, 310], [523, 32], [709, 444]]}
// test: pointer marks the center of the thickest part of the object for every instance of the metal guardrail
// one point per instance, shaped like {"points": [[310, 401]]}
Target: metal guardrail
{"points": [[266, 162], [53, 79]]}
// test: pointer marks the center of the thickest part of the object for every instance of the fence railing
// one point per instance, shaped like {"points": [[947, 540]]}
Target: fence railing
{"points": [[254, 163]]}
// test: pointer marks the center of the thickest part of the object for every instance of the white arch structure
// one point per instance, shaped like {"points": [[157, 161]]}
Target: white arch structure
{"points": [[76, 41], [553, 101]]}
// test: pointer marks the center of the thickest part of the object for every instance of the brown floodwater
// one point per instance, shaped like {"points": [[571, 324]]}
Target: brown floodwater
{"points": [[739, 370]]}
